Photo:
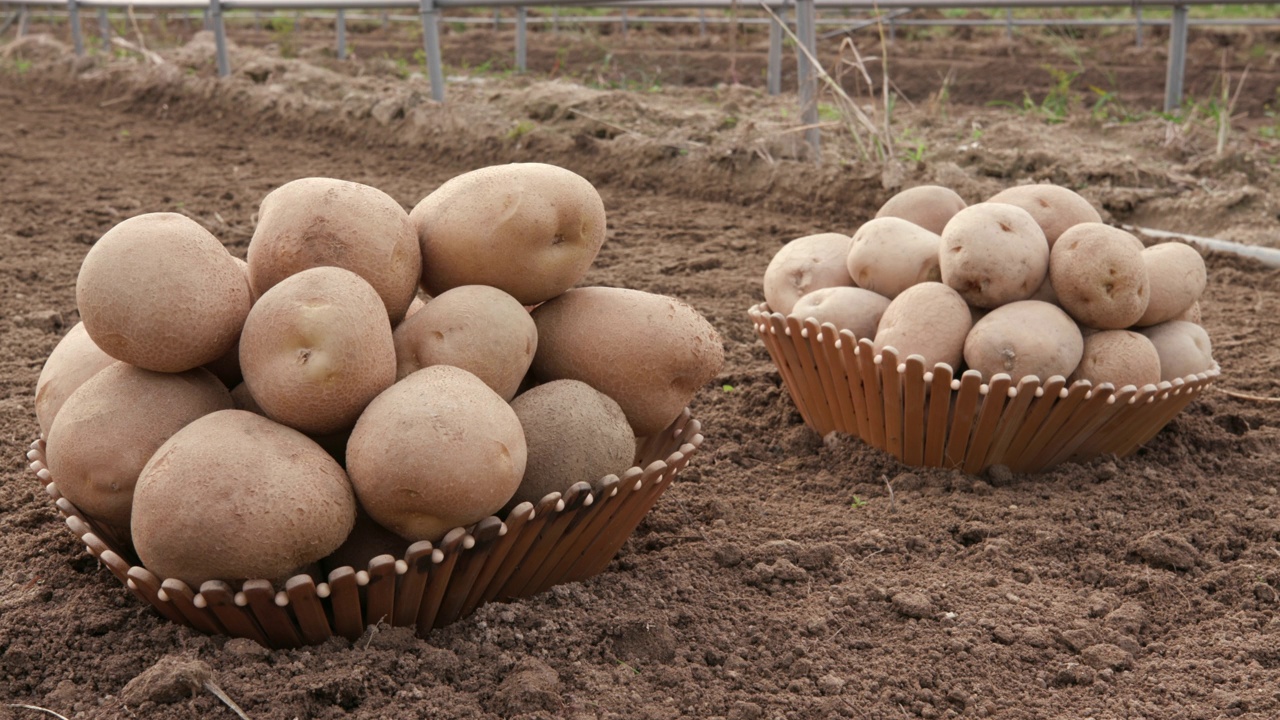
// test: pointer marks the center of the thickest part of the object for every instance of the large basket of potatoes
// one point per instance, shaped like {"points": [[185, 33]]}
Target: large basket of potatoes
{"points": [[301, 445], [1020, 331]]}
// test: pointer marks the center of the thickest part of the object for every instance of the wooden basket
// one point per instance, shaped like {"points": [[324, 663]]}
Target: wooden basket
{"points": [[565, 537], [931, 418]]}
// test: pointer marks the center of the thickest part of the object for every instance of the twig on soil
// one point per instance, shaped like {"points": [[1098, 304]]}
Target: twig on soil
{"points": [[137, 32], [217, 692], [38, 709], [1246, 396], [145, 53], [893, 502], [606, 123], [114, 101]]}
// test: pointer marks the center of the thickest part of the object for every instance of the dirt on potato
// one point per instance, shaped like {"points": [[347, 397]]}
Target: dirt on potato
{"points": [[783, 576]]}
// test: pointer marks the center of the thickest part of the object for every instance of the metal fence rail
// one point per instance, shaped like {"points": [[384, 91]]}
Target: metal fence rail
{"points": [[805, 23]]}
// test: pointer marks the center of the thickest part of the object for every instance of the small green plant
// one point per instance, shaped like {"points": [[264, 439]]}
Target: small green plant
{"points": [[858, 503], [522, 128], [727, 388], [283, 32], [18, 66]]}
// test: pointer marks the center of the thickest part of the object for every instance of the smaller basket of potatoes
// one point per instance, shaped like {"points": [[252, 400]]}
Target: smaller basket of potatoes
{"points": [[380, 416], [1020, 331]]}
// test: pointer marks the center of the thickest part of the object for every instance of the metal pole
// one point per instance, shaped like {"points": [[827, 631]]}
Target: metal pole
{"points": [[1177, 59], [431, 44], [104, 28], [1008, 23], [775, 54], [497, 18], [808, 76], [1137, 22], [555, 19], [522, 51], [624, 23], [208, 19], [219, 37], [341, 22], [23, 21], [73, 14]]}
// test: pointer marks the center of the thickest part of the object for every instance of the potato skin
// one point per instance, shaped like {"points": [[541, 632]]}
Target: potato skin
{"points": [[1119, 357], [435, 451], [847, 308], [1100, 276], [1177, 277], [806, 264], [236, 496], [889, 255], [992, 254], [529, 229], [650, 353], [1053, 207], [1184, 348], [928, 206], [574, 434], [317, 221], [1028, 337], [930, 320], [478, 328], [74, 360], [158, 291], [112, 424], [316, 349]]}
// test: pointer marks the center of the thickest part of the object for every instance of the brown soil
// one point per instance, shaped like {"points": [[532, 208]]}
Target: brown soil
{"points": [[782, 576]]}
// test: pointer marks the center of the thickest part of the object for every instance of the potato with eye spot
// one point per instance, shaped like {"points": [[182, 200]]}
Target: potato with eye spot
{"points": [[529, 229], [1184, 348], [1053, 207], [993, 253], [847, 308], [930, 320], [1027, 337], [1177, 276], [1119, 357], [478, 328], [889, 255], [929, 206], [1100, 276], [806, 264]]}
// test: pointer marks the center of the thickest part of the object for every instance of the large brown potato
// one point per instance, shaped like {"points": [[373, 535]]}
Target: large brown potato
{"points": [[650, 353], [1119, 357], [1177, 276], [806, 264], [435, 451], [316, 349], [993, 253], [1028, 337], [159, 292], [889, 255], [113, 423], [1184, 348], [74, 360], [478, 328], [847, 308], [314, 222], [575, 434], [1054, 207], [529, 229], [929, 206], [930, 320], [227, 367], [1100, 276], [235, 496]]}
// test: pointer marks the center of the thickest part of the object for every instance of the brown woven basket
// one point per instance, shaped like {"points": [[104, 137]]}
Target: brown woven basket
{"points": [[565, 537], [930, 418]]}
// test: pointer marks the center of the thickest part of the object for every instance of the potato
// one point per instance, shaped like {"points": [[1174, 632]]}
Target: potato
{"points": [[227, 367], [889, 255], [650, 353], [478, 328], [316, 222], [848, 308], [417, 304], [930, 320], [993, 254], [529, 229], [316, 349], [1028, 337], [235, 496], [929, 206], [111, 425], [435, 451], [74, 360], [1119, 357], [574, 434], [1054, 207], [1100, 276], [1184, 348], [1191, 314], [806, 264], [159, 292], [1177, 276]]}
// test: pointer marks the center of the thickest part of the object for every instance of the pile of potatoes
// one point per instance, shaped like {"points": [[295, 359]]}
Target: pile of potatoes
{"points": [[369, 377], [1028, 283]]}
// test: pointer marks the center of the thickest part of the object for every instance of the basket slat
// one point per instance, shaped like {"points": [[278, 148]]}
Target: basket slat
{"points": [[819, 409], [846, 414], [962, 417], [219, 597], [853, 370], [496, 558], [993, 404], [344, 599], [380, 593], [939, 415], [870, 372], [913, 410], [183, 598], [143, 582], [483, 536], [452, 545], [273, 619], [891, 380], [307, 608], [420, 558], [1012, 418], [1058, 416]]}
